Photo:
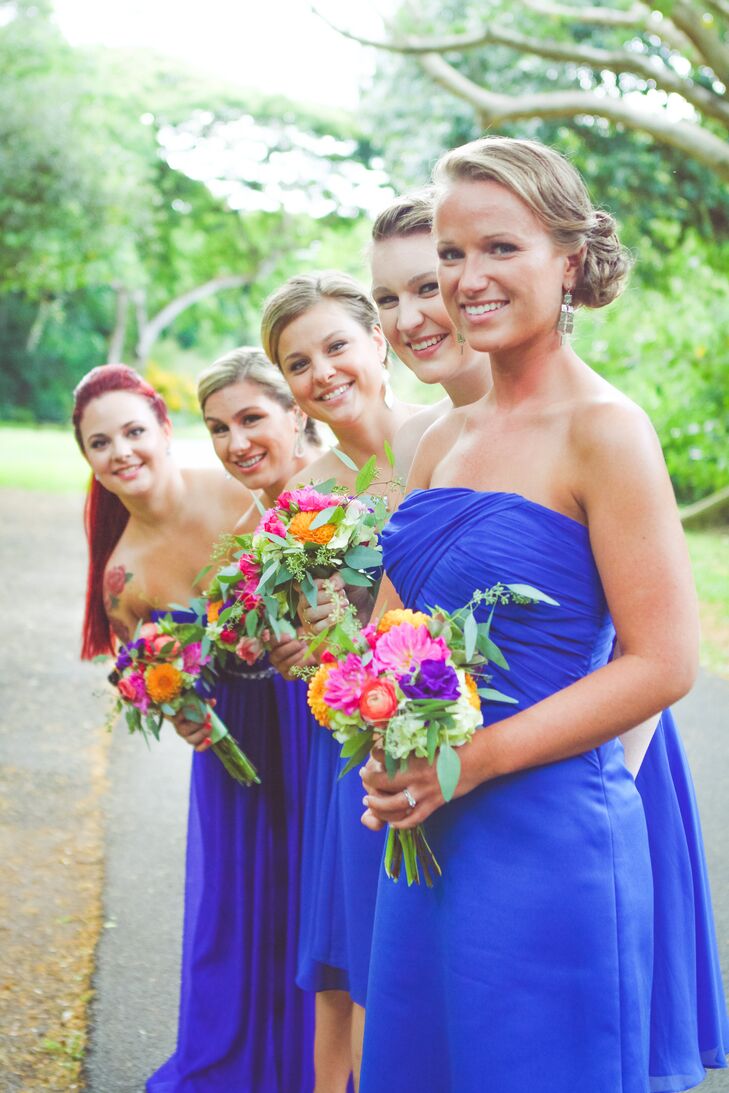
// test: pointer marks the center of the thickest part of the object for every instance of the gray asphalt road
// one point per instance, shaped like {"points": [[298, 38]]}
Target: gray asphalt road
{"points": [[134, 1015], [134, 1012]]}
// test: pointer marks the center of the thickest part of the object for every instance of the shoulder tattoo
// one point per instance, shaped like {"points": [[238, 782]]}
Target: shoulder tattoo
{"points": [[115, 580]]}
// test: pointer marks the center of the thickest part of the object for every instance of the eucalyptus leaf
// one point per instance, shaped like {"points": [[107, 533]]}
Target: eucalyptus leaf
{"points": [[492, 695], [491, 651], [448, 767], [323, 517], [251, 623], [258, 504], [532, 593], [359, 755], [470, 635], [309, 589], [353, 576], [326, 486], [366, 476], [432, 739], [362, 557], [345, 459]]}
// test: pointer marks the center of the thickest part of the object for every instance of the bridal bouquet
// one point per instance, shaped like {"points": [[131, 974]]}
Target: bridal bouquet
{"points": [[161, 672], [309, 533], [413, 686]]}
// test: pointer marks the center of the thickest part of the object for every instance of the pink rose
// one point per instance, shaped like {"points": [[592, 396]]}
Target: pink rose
{"points": [[249, 650], [132, 689], [165, 645]]}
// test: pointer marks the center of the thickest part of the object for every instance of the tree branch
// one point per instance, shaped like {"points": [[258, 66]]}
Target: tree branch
{"points": [[639, 18], [495, 109], [708, 44], [149, 331], [118, 335], [648, 68]]}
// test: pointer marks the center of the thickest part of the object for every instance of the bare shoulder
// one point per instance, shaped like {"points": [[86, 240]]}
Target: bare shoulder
{"points": [[327, 466], [608, 423], [409, 434], [212, 483], [435, 443], [123, 602]]}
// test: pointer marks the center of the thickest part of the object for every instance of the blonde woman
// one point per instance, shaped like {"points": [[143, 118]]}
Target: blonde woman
{"points": [[533, 965], [322, 331]]}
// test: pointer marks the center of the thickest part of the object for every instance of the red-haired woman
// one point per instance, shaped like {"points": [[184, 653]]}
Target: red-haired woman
{"points": [[243, 1023]]}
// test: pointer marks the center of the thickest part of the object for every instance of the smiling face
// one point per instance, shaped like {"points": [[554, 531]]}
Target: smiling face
{"points": [[413, 316], [332, 364], [500, 272], [253, 434], [124, 443]]}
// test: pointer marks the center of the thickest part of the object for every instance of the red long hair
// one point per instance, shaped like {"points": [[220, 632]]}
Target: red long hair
{"points": [[105, 517]]}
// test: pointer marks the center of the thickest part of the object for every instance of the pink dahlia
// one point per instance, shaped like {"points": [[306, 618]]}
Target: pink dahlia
{"points": [[307, 500], [344, 684], [192, 660], [404, 646]]}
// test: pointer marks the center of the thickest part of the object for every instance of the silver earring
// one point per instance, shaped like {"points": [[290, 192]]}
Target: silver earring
{"points": [[566, 321], [387, 392], [299, 442]]}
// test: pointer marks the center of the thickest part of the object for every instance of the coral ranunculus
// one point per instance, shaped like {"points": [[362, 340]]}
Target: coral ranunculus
{"points": [[163, 681], [378, 701], [300, 528], [315, 694], [398, 615]]}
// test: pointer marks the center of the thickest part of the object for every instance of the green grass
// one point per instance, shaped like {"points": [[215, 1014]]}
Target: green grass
{"points": [[45, 457], [709, 550], [41, 457]]}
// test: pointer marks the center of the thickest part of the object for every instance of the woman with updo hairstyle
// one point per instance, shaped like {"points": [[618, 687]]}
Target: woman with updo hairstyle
{"points": [[322, 331], [243, 1023], [403, 263], [570, 943]]}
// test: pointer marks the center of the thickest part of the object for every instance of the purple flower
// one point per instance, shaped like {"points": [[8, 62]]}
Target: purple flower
{"points": [[124, 657], [432, 679]]}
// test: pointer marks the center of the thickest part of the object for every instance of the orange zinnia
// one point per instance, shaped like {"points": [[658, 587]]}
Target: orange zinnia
{"points": [[473, 695], [315, 694], [214, 609], [399, 615], [163, 681], [300, 529]]}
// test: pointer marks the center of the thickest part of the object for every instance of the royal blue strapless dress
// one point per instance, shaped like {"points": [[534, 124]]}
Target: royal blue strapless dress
{"points": [[530, 965], [340, 871], [244, 1025]]}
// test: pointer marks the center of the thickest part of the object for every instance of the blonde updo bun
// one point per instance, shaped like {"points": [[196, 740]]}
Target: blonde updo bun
{"points": [[556, 193]]}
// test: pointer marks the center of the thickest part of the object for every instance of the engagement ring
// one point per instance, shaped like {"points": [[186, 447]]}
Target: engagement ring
{"points": [[409, 798]]}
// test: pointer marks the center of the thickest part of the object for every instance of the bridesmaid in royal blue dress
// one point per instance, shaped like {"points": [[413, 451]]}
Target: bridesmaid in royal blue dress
{"points": [[323, 332], [243, 1022], [540, 961]]}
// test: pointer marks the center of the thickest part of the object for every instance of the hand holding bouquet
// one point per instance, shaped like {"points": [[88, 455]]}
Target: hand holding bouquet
{"points": [[162, 672], [413, 685]]}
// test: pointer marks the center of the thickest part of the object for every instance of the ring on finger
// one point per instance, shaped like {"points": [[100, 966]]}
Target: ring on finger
{"points": [[409, 798]]}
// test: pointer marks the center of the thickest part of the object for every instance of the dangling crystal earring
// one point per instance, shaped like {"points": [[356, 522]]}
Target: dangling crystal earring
{"points": [[228, 474], [566, 321], [461, 340], [299, 442], [387, 392]]}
